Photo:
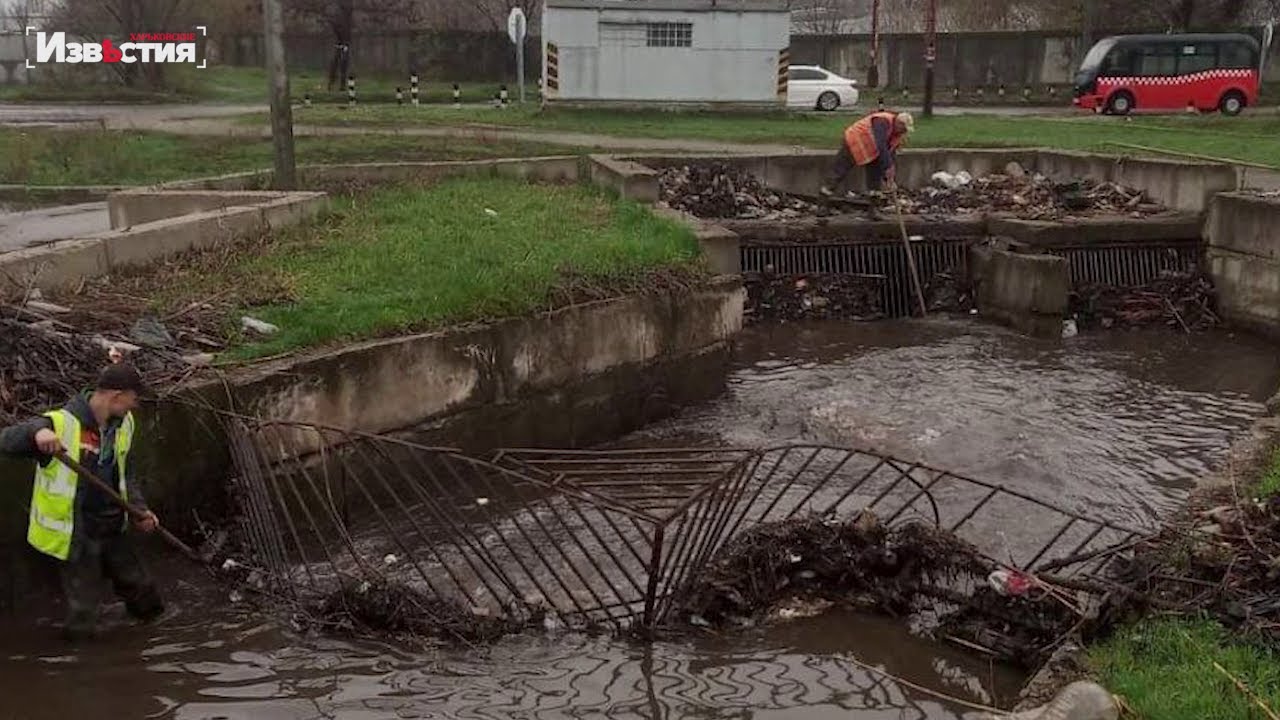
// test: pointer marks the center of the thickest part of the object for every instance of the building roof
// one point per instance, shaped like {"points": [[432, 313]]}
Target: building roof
{"points": [[685, 5]]}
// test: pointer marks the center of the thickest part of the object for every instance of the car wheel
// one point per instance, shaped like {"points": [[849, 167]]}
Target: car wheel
{"points": [[1120, 103], [1232, 103], [828, 101]]}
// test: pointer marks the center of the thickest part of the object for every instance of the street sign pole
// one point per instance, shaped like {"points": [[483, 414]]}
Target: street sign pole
{"points": [[516, 29]]}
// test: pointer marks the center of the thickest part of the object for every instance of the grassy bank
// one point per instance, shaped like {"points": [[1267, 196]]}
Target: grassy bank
{"points": [[1253, 138], [408, 258], [55, 157], [1164, 668]]}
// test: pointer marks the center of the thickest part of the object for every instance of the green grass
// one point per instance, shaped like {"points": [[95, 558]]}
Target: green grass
{"points": [[1269, 484], [57, 157], [405, 259], [249, 85], [1254, 138], [1164, 670]]}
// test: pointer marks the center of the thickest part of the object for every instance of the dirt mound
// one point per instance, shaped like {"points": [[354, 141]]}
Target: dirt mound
{"points": [[813, 296], [1031, 197]]}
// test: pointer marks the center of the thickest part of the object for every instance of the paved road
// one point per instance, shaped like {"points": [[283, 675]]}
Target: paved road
{"points": [[25, 228]]}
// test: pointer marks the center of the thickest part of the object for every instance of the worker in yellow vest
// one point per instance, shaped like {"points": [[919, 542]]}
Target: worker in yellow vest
{"points": [[873, 143], [73, 521]]}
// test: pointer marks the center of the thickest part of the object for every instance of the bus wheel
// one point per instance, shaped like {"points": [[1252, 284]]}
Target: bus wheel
{"points": [[1231, 103], [1120, 103]]}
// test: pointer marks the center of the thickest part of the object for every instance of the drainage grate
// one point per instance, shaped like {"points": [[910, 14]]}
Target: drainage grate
{"points": [[1129, 264], [878, 258]]}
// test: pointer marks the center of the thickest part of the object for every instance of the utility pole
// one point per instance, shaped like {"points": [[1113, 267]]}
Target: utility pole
{"points": [[930, 54], [873, 72], [286, 177]]}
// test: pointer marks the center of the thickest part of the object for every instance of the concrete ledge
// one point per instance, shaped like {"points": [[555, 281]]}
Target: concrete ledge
{"points": [[141, 206], [1245, 223], [853, 228], [1248, 290], [1084, 232], [630, 179], [388, 385], [556, 168], [1027, 292], [58, 194], [60, 264], [721, 247]]}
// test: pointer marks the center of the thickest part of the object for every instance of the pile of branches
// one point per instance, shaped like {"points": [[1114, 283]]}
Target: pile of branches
{"points": [[40, 367], [821, 556], [950, 291], [717, 190], [912, 569], [1032, 197], [822, 296], [1222, 557], [1183, 301], [390, 608]]}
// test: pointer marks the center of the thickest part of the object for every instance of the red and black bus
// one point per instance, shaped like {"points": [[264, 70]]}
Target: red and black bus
{"points": [[1205, 72]]}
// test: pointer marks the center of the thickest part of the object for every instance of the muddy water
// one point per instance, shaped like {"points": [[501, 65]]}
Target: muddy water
{"points": [[1118, 424]]}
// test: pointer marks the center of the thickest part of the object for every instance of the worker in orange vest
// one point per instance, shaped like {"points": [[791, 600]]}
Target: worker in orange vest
{"points": [[873, 143]]}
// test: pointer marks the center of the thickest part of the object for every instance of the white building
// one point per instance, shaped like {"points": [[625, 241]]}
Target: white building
{"points": [[665, 51]]}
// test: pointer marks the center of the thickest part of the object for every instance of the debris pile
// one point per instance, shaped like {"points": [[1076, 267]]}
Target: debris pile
{"points": [[1031, 197], [42, 365], [397, 609], [1183, 301], [717, 190], [822, 557], [815, 296], [1219, 558], [950, 291]]}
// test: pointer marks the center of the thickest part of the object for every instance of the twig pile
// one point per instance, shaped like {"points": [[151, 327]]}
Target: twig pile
{"points": [[1222, 558], [397, 609], [1031, 197], [1183, 301], [716, 190], [41, 367], [813, 296]]}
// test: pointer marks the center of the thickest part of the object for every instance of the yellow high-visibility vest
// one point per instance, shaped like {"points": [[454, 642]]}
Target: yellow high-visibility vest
{"points": [[53, 494]]}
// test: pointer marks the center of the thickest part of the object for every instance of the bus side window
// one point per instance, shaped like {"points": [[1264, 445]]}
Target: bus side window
{"points": [[1158, 59], [1197, 58], [1236, 55]]}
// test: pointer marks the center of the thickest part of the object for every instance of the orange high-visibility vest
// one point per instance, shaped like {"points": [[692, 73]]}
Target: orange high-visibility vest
{"points": [[862, 141]]}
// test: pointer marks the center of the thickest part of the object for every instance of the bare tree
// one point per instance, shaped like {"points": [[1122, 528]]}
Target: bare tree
{"points": [[341, 17], [120, 18], [825, 17]]}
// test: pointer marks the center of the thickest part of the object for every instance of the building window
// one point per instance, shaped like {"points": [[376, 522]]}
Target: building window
{"points": [[669, 34]]}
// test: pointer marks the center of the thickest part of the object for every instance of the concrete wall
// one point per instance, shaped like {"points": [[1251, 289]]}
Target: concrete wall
{"points": [[66, 263], [570, 378], [1028, 292], [140, 206], [603, 54], [1243, 234]]}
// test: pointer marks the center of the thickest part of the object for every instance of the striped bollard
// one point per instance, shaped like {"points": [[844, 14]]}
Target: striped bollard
{"points": [[1000, 91], [306, 100], [503, 95], [880, 103], [351, 91], [955, 94], [413, 88], [457, 95], [399, 96]]}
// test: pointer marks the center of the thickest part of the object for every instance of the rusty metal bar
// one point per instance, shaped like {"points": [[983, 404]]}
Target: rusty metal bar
{"points": [[820, 484], [1052, 541]]}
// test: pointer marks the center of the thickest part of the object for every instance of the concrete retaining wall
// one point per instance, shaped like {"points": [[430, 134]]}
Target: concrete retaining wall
{"points": [[569, 378], [558, 168], [1027, 292], [1243, 234], [140, 206], [66, 263]]}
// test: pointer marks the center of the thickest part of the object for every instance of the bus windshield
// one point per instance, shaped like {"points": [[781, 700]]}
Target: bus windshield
{"points": [[1096, 53]]}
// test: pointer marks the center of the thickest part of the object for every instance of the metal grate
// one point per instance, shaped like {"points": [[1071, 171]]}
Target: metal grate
{"points": [[1129, 264], [879, 258], [595, 537]]}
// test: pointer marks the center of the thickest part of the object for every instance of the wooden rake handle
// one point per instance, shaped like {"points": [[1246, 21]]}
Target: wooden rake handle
{"points": [[134, 513]]}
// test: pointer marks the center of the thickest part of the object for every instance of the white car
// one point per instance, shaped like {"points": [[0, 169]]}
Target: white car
{"points": [[811, 86]]}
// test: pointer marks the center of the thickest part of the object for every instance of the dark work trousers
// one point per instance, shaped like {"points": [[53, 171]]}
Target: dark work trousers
{"points": [[115, 558], [844, 164]]}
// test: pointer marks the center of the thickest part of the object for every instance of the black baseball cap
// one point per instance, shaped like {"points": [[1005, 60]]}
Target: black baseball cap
{"points": [[121, 376]]}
